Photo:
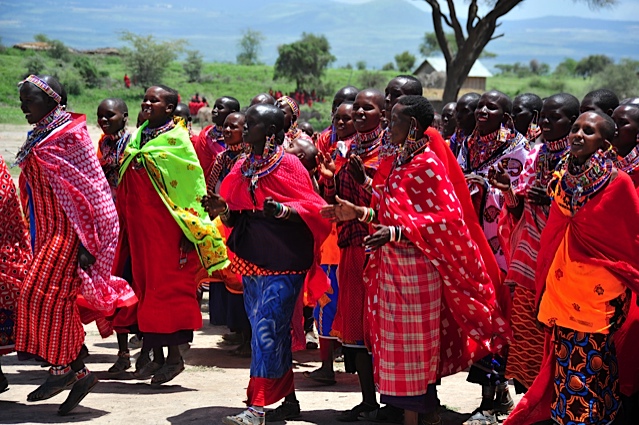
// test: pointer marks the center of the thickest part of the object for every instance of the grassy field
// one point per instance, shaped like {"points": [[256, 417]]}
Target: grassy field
{"points": [[242, 82]]}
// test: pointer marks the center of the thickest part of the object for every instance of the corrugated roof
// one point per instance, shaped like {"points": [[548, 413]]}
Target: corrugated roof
{"points": [[439, 64]]}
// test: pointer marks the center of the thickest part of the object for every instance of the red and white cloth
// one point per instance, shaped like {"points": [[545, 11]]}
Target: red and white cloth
{"points": [[419, 197], [67, 159]]}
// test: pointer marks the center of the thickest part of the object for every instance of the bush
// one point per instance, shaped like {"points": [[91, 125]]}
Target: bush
{"points": [[87, 71], [35, 64], [372, 79]]}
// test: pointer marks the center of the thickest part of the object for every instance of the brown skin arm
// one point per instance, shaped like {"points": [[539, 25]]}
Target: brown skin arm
{"points": [[379, 238], [214, 205], [498, 178], [270, 208], [342, 211]]}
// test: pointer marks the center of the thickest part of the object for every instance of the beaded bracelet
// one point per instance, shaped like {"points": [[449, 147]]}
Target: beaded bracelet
{"points": [[510, 198], [368, 217], [368, 184]]}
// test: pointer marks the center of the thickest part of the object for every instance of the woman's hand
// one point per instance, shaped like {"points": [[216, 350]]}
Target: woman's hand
{"points": [[270, 207], [325, 166], [214, 204], [498, 178], [356, 169], [342, 211], [85, 259], [379, 238]]}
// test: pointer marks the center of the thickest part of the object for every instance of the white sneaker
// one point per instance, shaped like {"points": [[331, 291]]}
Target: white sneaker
{"points": [[245, 418]]}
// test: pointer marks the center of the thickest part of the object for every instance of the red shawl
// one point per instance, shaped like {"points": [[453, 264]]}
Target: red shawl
{"points": [[206, 148], [419, 197], [613, 211], [289, 184], [456, 177], [68, 159]]}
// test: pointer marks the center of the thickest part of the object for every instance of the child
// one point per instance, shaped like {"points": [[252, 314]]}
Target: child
{"points": [[601, 100], [526, 109], [210, 142], [160, 186]]}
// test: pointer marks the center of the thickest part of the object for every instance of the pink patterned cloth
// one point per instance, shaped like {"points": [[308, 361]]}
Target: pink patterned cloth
{"points": [[67, 157]]}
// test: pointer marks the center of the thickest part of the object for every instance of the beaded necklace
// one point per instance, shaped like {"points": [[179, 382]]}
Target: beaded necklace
{"points": [[387, 149], [483, 149], [630, 163], [550, 154], [366, 143], [149, 134], [579, 183], [54, 119], [534, 131], [255, 167], [410, 149]]}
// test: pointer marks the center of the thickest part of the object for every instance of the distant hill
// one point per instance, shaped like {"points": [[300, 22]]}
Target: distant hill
{"points": [[373, 32]]}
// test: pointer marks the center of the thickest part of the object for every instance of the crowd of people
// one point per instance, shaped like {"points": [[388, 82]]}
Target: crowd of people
{"points": [[418, 244]]}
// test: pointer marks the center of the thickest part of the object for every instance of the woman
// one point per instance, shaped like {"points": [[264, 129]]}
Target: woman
{"points": [[414, 267], [268, 200]]}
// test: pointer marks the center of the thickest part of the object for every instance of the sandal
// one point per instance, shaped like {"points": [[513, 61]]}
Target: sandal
{"points": [[80, 390], [353, 415], [482, 418], [244, 418], [319, 375], [148, 370], [431, 418], [387, 414], [167, 372], [121, 364], [53, 386], [285, 411]]}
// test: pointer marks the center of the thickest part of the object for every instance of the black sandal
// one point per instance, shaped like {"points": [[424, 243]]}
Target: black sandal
{"points": [[319, 375], [167, 372], [53, 386], [121, 364], [80, 390], [353, 414]]}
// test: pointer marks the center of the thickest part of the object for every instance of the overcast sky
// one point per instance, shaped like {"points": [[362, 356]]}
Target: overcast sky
{"points": [[624, 10]]}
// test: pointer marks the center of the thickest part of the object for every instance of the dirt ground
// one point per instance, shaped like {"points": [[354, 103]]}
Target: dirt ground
{"points": [[212, 386]]}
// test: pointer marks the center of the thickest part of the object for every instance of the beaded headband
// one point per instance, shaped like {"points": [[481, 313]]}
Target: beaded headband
{"points": [[292, 103], [42, 85]]}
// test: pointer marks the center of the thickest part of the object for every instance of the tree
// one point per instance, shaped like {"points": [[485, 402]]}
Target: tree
{"points": [[304, 61], [373, 79], [361, 65], [566, 68], [405, 61], [430, 47], [592, 64], [538, 68], [480, 30], [148, 59], [390, 66], [57, 49], [621, 79], [193, 65], [250, 45]]}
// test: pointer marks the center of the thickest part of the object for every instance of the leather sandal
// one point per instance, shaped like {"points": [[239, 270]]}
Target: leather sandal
{"points": [[80, 390], [53, 386]]}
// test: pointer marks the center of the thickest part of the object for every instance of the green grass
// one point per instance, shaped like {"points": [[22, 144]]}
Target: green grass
{"points": [[242, 82]]}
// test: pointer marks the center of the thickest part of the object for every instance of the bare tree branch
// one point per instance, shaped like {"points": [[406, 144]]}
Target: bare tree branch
{"points": [[447, 21], [494, 37], [439, 29], [459, 33], [472, 15]]}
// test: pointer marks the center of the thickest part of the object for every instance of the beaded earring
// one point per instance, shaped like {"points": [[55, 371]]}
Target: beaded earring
{"points": [[269, 145], [412, 134]]}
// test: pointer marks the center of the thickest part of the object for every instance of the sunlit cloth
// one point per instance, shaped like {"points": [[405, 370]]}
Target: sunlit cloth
{"points": [[16, 257], [172, 166], [208, 144], [110, 151]]}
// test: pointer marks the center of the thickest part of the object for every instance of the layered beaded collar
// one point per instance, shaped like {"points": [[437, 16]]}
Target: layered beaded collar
{"points": [[629, 163], [149, 134], [550, 154], [482, 149], [579, 183], [410, 149], [54, 119], [255, 167], [365, 144]]}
